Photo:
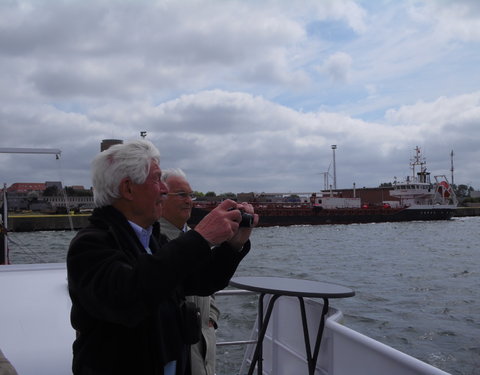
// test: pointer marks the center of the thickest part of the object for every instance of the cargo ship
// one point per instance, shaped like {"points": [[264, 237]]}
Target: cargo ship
{"points": [[417, 197]]}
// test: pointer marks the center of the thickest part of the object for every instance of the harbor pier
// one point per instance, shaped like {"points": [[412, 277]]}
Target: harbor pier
{"points": [[29, 223]]}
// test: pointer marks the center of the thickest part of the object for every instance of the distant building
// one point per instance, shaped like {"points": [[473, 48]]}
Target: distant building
{"points": [[269, 198], [57, 184], [29, 196], [371, 196], [72, 202], [245, 197], [17, 201], [26, 187]]}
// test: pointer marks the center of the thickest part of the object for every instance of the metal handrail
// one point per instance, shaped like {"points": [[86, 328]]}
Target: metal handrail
{"points": [[239, 342], [235, 292]]}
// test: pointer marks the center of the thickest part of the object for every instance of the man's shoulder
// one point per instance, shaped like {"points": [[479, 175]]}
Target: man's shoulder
{"points": [[168, 229]]}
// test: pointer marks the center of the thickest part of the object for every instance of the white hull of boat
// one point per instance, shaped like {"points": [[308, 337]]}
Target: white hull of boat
{"points": [[36, 335]]}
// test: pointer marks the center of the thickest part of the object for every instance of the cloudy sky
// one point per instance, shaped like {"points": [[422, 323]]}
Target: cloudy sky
{"points": [[243, 95]]}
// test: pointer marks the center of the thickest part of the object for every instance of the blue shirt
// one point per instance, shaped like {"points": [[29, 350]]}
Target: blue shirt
{"points": [[143, 235]]}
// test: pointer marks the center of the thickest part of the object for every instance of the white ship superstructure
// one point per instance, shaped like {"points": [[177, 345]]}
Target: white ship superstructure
{"points": [[417, 191]]}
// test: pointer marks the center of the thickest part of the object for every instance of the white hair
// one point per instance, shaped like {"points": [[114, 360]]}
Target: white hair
{"points": [[131, 159], [172, 172]]}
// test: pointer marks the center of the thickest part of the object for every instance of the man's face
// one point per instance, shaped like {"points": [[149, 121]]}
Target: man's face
{"points": [[149, 197], [177, 208]]}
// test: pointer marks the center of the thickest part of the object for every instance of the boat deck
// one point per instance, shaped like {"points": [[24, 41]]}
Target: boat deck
{"points": [[36, 335]]}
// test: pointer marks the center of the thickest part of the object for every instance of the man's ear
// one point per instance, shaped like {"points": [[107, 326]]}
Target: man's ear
{"points": [[126, 189]]}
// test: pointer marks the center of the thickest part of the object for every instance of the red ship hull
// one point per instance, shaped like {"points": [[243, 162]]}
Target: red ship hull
{"points": [[285, 215]]}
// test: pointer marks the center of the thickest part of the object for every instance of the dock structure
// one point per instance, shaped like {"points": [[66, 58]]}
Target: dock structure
{"points": [[29, 223]]}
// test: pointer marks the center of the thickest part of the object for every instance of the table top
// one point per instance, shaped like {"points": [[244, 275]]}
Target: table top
{"points": [[291, 287]]}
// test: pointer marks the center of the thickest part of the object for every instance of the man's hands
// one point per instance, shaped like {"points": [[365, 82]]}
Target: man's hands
{"points": [[222, 224], [243, 233]]}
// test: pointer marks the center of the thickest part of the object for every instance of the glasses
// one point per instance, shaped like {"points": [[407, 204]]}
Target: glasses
{"points": [[183, 195]]}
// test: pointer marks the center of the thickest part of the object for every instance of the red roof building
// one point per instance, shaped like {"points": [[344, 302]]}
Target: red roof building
{"points": [[25, 187]]}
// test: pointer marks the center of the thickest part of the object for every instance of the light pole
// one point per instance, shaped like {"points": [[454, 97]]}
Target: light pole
{"points": [[451, 169], [334, 147]]}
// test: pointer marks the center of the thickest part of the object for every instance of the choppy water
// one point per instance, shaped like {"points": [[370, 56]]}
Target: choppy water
{"points": [[417, 283]]}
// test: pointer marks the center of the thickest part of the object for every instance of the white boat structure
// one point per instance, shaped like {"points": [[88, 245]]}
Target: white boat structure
{"points": [[36, 335], [419, 192]]}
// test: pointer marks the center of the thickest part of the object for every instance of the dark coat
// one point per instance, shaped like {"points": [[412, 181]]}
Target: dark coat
{"points": [[125, 302]]}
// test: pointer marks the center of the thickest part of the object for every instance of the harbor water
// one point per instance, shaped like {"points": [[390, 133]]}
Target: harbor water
{"points": [[416, 283]]}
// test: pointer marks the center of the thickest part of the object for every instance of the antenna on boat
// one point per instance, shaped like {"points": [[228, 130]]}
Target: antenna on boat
{"points": [[417, 159]]}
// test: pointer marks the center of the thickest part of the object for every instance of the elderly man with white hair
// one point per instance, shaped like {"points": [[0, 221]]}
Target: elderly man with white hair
{"points": [[128, 284]]}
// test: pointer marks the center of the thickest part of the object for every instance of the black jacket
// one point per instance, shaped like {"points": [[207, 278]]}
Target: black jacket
{"points": [[125, 302]]}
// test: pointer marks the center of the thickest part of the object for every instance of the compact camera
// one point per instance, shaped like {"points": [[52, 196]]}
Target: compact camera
{"points": [[247, 219]]}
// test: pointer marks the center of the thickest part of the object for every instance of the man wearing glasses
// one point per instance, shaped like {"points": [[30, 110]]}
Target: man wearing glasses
{"points": [[177, 209], [127, 283]]}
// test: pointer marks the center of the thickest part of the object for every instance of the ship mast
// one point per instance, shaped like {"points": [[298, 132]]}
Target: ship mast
{"points": [[418, 159]]}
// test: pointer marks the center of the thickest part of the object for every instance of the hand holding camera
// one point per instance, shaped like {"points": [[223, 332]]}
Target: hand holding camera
{"points": [[247, 219], [229, 221]]}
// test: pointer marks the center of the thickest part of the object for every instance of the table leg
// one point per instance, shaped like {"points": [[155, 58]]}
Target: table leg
{"points": [[262, 329], [312, 360], [321, 327], [259, 346]]}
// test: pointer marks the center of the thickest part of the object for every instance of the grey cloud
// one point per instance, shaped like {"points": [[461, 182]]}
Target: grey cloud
{"points": [[337, 66], [229, 91]]}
